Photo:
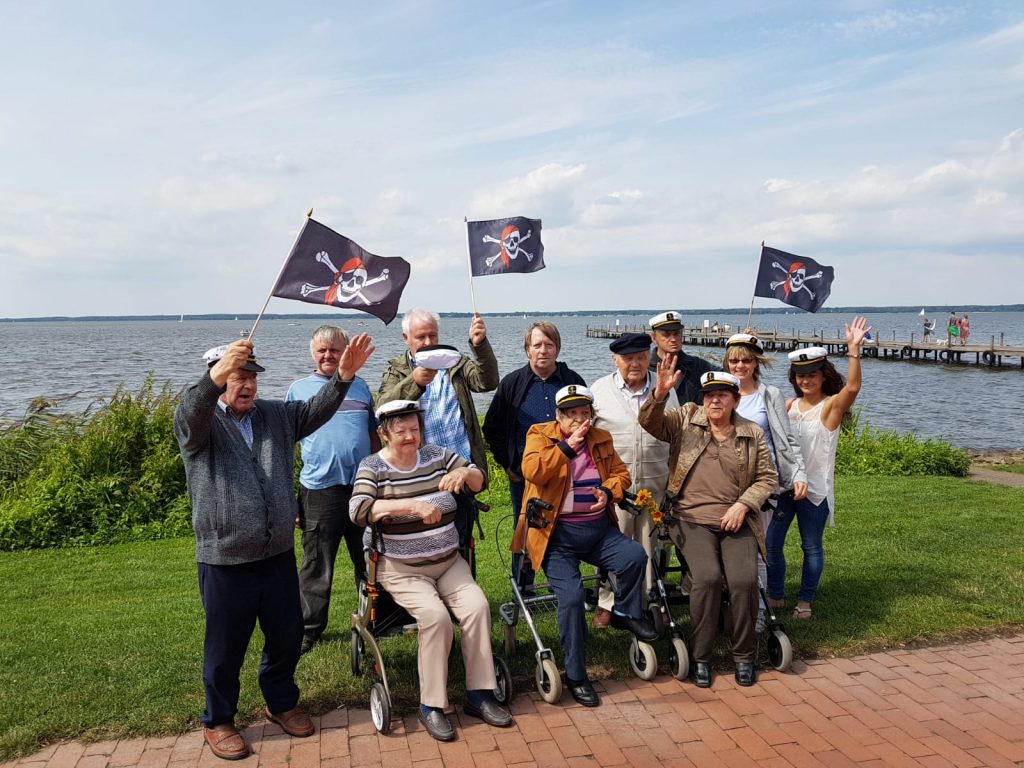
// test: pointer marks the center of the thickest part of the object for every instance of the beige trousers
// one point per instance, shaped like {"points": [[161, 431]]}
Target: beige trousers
{"points": [[427, 592]]}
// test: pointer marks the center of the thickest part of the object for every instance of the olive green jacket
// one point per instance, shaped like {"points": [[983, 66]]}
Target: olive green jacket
{"points": [[467, 376]]}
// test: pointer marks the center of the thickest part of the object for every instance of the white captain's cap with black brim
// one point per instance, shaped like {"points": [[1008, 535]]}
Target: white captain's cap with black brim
{"points": [[715, 380], [808, 359], [211, 356], [573, 395], [667, 321], [745, 340], [397, 408]]}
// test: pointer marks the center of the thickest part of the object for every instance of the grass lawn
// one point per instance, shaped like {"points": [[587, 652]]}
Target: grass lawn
{"points": [[106, 642]]}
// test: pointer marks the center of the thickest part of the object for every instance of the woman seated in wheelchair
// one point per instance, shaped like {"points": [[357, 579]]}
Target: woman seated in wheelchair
{"points": [[721, 475], [572, 467], [409, 489]]}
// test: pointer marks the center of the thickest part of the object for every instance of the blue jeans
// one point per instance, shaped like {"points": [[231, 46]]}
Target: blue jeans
{"points": [[599, 543], [811, 519]]}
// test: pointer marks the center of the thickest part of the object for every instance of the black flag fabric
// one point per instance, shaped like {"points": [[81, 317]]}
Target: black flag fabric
{"points": [[327, 268], [500, 246], [794, 280]]}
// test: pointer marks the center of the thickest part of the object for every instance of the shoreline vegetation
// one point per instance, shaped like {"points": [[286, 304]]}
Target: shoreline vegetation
{"points": [[103, 630], [351, 314]]}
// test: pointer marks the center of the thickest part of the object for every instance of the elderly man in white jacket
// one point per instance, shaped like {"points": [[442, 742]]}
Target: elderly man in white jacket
{"points": [[617, 400]]}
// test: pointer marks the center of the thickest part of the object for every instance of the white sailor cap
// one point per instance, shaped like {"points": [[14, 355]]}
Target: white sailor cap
{"points": [[713, 380], [667, 321], [437, 357], [211, 356], [573, 395], [808, 359], [745, 340], [397, 408]]}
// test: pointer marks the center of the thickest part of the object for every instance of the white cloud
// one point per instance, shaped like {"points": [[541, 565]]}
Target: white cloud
{"points": [[549, 189]]}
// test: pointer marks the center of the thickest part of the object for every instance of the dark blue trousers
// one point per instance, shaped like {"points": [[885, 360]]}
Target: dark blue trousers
{"points": [[235, 597], [602, 544]]}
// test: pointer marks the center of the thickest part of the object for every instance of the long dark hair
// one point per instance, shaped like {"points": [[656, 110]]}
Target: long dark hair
{"points": [[832, 381]]}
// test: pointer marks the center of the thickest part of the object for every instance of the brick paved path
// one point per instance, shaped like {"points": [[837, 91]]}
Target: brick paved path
{"points": [[958, 705]]}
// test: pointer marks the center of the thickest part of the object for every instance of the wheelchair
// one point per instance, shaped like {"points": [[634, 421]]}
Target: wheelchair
{"points": [[530, 600], [378, 616]]}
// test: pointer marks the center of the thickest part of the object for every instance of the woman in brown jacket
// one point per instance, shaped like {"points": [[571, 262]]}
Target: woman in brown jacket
{"points": [[720, 473], [573, 467]]}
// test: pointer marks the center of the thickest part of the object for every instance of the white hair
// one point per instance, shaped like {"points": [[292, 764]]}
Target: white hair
{"points": [[418, 315], [329, 333]]}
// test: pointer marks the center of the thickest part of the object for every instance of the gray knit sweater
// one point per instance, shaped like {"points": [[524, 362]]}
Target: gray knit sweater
{"points": [[243, 502]]}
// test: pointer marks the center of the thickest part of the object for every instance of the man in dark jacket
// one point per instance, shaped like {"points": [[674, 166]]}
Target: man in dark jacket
{"points": [[667, 335], [239, 455], [526, 397]]}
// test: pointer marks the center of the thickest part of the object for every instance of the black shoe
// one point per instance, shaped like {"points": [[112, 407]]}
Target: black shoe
{"points": [[702, 674], [745, 674], [642, 628], [307, 644], [584, 693], [437, 725], [490, 711]]}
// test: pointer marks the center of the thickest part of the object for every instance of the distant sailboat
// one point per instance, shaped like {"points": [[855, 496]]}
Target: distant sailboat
{"points": [[181, 319], [921, 313]]}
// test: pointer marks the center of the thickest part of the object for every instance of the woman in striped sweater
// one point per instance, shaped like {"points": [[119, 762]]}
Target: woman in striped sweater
{"points": [[410, 488]]}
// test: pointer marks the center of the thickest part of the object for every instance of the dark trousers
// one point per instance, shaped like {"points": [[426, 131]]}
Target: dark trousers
{"points": [[599, 543], [516, 488], [234, 598], [323, 517], [716, 559]]}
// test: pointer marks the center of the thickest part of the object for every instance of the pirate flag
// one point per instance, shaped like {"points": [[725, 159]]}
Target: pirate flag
{"points": [[505, 245], [794, 280], [327, 268]]}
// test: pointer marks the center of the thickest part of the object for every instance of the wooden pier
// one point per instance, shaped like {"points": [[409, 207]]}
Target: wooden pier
{"points": [[991, 355]]}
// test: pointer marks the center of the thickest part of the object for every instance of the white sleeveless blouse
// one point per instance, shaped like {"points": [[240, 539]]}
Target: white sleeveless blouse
{"points": [[818, 446]]}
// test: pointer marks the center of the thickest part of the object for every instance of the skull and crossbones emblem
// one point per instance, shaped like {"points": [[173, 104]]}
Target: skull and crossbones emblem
{"points": [[348, 282], [796, 278], [511, 246]]}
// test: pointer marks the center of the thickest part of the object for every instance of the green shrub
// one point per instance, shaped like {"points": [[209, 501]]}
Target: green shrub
{"points": [[874, 452], [114, 476]]}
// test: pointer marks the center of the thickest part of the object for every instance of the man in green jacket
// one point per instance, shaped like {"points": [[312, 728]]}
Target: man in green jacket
{"points": [[443, 381]]}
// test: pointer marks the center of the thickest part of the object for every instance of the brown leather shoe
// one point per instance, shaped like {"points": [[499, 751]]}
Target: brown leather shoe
{"points": [[602, 618], [294, 722], [226, 742]]}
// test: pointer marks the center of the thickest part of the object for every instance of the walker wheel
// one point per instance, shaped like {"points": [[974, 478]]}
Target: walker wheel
{"points": [[503, 681], [643, 660], [780, 650], [679, 659], [380, 708], [357, 653], [549, 682]]}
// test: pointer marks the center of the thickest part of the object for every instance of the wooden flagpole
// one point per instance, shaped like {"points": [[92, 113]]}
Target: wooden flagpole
{"points": [[302, 229], [750, 312], [469, 259]]}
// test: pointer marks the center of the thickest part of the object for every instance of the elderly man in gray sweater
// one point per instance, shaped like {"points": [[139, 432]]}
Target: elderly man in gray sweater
{"points": [[239, 455]]}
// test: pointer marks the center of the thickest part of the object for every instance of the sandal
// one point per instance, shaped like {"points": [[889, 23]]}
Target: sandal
{"points": [[802, 614]]}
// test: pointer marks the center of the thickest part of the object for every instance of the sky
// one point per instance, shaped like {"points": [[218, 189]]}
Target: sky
{"points": [[159, 158]]}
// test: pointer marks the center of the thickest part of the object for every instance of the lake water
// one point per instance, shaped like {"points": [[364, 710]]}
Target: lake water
{"points": [[971, 406]]}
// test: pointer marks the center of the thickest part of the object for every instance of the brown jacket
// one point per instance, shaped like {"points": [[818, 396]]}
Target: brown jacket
{"points": [[546, 472], [688, 431]]}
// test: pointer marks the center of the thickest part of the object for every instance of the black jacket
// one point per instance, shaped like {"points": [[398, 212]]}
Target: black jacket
{"points": [[501, 424], [693, 368]]}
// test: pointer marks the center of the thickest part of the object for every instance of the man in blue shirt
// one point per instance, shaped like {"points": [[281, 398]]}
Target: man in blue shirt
{"points": [[330, 458]]}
